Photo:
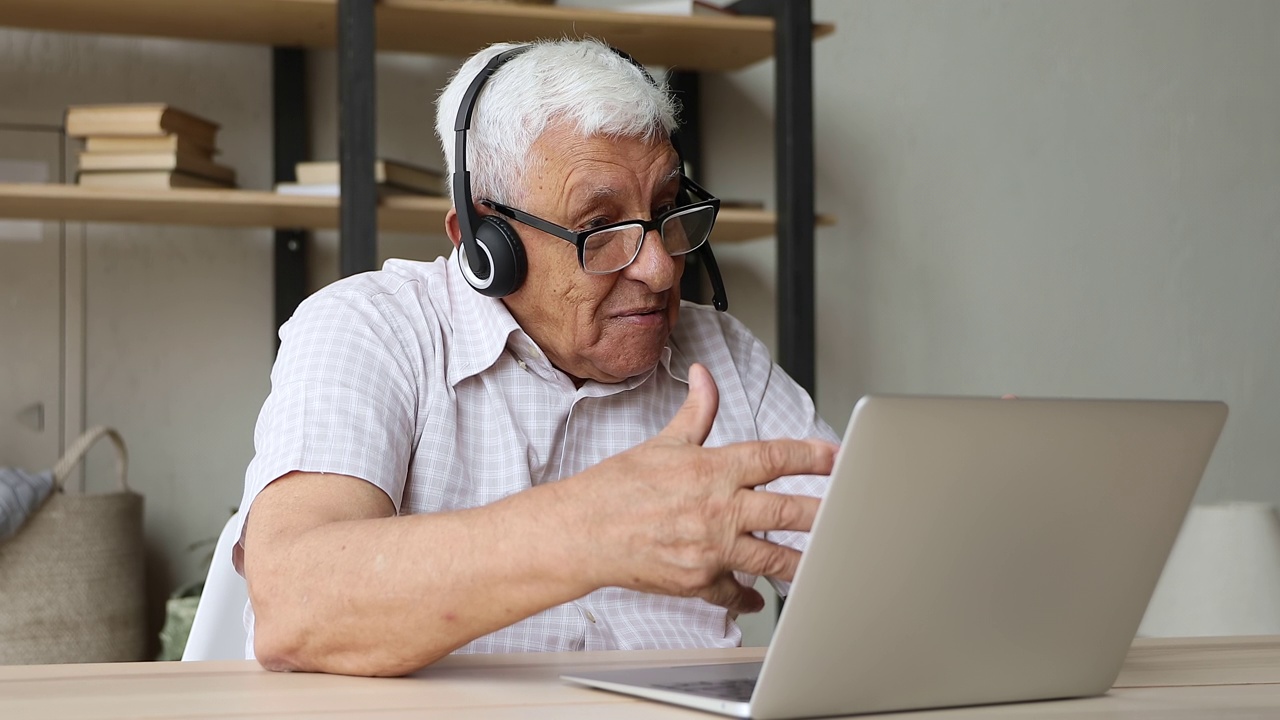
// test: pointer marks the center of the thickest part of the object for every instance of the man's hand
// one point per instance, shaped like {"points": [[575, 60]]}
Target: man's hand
{"points": [[672, 517]]}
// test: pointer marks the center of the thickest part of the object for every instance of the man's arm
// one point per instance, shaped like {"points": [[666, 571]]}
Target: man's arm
{"points": [[339, 585]]}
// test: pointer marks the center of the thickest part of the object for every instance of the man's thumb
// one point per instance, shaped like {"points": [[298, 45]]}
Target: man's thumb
{"points": [[692, 422]]}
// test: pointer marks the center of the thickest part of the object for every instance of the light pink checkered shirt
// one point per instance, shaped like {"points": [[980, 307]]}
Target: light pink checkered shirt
{"points": [[413, 381]]}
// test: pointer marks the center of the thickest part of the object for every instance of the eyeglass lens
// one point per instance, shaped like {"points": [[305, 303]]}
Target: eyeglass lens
{"points": [[611, 250]]}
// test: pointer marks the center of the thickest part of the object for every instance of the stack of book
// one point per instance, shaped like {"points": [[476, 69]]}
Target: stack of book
{"points": [[392, 176], [146, 146]]}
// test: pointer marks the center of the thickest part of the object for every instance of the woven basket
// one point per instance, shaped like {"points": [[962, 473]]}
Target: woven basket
{"points": [[71, 579]]}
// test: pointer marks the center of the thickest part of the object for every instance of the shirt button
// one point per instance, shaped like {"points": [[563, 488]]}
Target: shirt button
{"points": [[522, 365], [591, 617]]}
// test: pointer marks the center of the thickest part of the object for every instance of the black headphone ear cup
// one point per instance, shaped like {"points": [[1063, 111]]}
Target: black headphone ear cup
{"points": [[507, 264]]}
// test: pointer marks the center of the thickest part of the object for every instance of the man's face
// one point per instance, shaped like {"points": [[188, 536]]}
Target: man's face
{"points": [[600, 327]]}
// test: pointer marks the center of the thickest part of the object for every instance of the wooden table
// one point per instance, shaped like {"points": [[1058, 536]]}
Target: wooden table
{"points": [[1162, 679]]}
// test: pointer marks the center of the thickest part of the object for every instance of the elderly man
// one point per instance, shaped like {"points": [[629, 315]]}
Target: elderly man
{"points": [[565, 460]]}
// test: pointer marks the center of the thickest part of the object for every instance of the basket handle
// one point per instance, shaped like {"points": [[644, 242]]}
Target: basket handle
{"points": [[81, 446]]}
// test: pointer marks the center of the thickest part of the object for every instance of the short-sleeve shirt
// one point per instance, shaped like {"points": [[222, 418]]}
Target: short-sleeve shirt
{"points": [[409, 379]]}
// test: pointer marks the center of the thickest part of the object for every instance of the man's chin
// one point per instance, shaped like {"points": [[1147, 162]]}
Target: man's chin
{"points": [[629, 365]]}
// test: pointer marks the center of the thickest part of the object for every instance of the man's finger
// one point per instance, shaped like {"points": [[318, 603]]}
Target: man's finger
{"points": [[761, 557], [764, 511], [728, 593], [692, 422], [763, 461]]}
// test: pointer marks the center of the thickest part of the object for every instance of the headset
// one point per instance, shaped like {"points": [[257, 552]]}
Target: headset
{"points": [[492, 257]]}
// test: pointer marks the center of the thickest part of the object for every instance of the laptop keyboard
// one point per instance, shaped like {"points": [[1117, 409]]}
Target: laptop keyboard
{"points": [[738, 689]]}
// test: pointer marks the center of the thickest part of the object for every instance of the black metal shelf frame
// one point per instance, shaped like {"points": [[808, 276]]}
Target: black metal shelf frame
{"points": [[291, 143], [794, 182]]}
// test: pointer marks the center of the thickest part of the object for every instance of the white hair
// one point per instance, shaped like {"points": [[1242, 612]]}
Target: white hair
{"points": [[580, 82]]}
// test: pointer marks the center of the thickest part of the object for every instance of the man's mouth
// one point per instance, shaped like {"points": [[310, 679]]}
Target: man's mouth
{"points": [[638, 312]]}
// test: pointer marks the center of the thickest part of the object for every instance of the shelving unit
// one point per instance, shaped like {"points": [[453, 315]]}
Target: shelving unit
{"points": [[781, 29], [437, 27], [251, 208]]}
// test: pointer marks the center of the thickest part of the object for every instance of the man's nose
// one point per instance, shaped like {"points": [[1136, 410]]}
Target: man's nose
{"points": [[654, 266]]}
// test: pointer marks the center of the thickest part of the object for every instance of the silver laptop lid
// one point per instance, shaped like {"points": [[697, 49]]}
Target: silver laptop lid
{"points": [[979, 550]]}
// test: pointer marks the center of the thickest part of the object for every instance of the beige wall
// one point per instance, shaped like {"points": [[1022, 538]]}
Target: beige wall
{"points": [[1037, 197], [1044, 198]]}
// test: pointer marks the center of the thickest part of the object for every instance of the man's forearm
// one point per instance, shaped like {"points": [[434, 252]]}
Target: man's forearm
{"points": [[388, 596]]}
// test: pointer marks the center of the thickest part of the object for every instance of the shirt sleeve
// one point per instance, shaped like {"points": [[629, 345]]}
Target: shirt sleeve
{"points": [[343, 399]]}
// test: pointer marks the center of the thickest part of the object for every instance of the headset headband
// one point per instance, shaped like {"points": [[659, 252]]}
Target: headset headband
{"points": [[468, 218]]}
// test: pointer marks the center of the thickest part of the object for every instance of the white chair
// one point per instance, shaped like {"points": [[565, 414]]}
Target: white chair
{"points": [[1223, 576], [217, 632]]}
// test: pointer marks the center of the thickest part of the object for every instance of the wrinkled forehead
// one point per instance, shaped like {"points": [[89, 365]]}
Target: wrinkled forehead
{"points": [[566, 145], [562, 150], [573, 173]]}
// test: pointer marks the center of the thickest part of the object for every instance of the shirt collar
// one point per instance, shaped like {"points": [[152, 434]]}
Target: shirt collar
{"points": [[481, 326], [674, 359]]}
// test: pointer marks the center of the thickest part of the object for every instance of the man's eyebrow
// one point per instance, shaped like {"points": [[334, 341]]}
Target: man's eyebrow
{"points": [[667, 179], [606, 191], [602, 191]]}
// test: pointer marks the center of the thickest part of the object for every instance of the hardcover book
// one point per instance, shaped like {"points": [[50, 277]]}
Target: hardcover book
{"points": [[152, 179], [196, 165], [99, 144], [391, 173], [140, 120]]}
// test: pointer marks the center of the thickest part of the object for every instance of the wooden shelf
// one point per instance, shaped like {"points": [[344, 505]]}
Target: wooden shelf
{"points": [[442, 27], [256, 208]]}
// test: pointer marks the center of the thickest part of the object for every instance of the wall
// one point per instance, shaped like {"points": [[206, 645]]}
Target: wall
{"points": [[1042, 198]]}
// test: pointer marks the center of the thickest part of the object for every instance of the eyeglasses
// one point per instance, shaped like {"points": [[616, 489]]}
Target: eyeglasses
{"points": [[610, 248]]}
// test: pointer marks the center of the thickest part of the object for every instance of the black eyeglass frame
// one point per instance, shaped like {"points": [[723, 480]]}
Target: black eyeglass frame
{"points": [[579, 239]]}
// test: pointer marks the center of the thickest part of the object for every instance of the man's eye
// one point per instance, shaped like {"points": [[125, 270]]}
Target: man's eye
{"points": [[664, 208], [595, 222]]}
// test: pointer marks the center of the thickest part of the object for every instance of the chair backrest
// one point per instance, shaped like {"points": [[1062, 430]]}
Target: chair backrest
{"points": [[1223, 576], [217, 633]]}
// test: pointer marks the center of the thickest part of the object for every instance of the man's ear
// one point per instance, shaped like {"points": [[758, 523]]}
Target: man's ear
{"points": [[451, 227]]}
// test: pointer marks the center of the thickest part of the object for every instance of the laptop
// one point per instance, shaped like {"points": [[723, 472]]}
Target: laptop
{"points": [[969, 551]]}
